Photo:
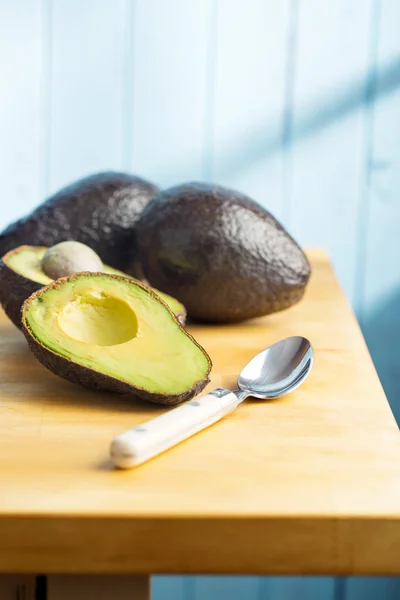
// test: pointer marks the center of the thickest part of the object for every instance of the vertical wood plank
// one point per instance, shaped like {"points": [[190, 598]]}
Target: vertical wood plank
{"points": [[381, 283], [250, 87], [381, 315], [332, 63], [170, 87], [88, 46], [22, 36], [245, 130]]}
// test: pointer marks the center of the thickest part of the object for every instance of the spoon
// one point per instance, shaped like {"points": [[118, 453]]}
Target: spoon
{"points": [[274, 372]]}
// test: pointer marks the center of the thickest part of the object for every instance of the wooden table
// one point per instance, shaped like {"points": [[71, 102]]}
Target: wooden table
{"points": [[306, 484]]}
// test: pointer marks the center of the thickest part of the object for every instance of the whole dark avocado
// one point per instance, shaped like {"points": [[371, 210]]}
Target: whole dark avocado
{"points": [[220, 253], [100, 210]]}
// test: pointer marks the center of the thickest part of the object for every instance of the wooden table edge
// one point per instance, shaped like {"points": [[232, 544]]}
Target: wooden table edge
{"points": [[343, 545]]}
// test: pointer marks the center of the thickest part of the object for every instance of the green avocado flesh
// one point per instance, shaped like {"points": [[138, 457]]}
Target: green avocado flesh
{"points": [[27, 262], [117, 327]]}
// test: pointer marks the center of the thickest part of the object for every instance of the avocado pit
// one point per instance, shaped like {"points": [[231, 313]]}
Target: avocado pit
{"points": [[67, 258]]}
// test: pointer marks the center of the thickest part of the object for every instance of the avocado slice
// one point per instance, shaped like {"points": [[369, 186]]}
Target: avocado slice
{"points": [[21, 274], [220, 253], [113, 333], [100, 210]]}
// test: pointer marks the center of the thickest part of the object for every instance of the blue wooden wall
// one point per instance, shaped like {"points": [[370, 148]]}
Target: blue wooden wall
{"points": [[295, 102]]}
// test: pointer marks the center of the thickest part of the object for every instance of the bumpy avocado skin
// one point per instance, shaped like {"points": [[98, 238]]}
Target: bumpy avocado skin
{"points": [[100, 210], [220, 253], [92, 379], [14, 290]]}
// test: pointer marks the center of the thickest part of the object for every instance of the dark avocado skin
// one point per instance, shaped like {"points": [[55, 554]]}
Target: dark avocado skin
{"points": [[14, 290], [220, 253], [100, 210], [98, 381], [90, 378]]}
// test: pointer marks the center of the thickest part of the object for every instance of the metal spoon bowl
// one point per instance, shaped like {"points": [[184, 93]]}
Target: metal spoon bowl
{"points": [[274, 372], [277, 370]]}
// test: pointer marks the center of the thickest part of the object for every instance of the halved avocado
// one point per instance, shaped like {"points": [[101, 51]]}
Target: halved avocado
{"points": [[113, 333], [21, 275]]}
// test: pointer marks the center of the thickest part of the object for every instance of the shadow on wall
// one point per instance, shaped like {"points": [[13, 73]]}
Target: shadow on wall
{"points": [[309, 119], [316, 114], [381, 330]]}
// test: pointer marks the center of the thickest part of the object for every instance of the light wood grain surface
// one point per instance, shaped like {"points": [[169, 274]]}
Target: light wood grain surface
{"points": [[306, 484]]}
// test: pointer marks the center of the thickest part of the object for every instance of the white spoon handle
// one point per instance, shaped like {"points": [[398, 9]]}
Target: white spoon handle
{"points": [[153, 437]]}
